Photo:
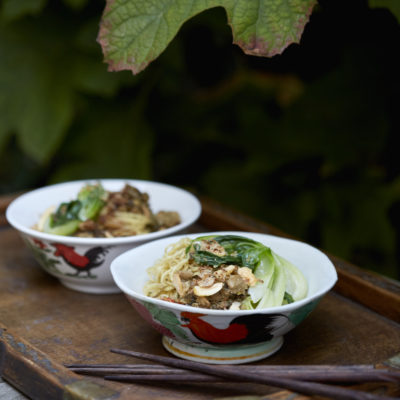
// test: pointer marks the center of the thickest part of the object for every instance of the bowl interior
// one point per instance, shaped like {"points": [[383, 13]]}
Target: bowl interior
{"points": [[129, 270], [25, 211]]}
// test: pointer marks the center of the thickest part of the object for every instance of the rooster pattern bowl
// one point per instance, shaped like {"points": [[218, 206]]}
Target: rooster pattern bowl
{"points": [[83, 264], [219, 336]]}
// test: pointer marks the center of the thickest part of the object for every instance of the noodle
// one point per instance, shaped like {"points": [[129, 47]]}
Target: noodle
{"points": [[174, 260], [124, 223]]}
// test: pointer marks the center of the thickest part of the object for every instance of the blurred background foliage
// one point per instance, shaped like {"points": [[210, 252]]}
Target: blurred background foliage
{"points": [[306, 140]]}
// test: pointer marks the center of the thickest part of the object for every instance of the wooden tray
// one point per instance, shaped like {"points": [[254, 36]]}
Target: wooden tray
{"points": [[44, 325]]}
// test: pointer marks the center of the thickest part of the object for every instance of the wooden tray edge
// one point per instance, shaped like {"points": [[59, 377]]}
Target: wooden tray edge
{"points": [[43, 378]]}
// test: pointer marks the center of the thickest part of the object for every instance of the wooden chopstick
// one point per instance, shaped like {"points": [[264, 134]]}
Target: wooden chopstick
{"points": [[341, 374], [308, 388], [209, 378], [356, 367], [180, 378]]}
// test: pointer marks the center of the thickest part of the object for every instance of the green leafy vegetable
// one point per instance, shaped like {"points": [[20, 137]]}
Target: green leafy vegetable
{"points": [[279, 281], [66, 212], [65, 229], [288, 298], [207, 258], [240, 250], [65, 221], [92, 199]]}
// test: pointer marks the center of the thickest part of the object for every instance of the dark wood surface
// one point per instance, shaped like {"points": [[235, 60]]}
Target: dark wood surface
{"points": [[44, 325]]}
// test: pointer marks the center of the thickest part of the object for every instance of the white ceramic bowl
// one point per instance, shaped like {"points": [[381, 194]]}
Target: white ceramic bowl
{"points": [[217, 336], [83, 264]]}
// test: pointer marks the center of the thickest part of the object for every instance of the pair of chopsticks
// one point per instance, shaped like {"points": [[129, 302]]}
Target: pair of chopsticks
{"points": [[301, 379]]}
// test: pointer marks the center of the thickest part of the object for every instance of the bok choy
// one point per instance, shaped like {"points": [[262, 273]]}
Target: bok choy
{"points": [[66, 219], [278, 281]]}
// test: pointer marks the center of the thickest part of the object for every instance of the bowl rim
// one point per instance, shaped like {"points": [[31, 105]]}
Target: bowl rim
{"points": [[181, 307], [196, 210]]}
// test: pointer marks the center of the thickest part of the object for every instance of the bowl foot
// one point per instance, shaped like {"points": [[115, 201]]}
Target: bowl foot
{"points": [[91, 289], [238, 354]]}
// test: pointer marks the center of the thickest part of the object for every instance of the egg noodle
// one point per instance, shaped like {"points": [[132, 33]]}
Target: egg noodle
{"points": [[174, 260], [124, 223]]}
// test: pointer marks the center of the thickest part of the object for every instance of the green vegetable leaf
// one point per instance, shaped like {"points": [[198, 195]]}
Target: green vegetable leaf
{"points": [[135, 32], [207, 258], [92, 199], [65, 220], [288, 298], [65, 229], [68, 216], [66, 212], [240, 251]]}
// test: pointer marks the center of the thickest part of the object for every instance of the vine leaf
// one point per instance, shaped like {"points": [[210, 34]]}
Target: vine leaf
{"points": [[135, 32]]}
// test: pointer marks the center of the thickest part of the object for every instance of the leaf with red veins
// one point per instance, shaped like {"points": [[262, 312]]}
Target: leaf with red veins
{"points": [[135, 32], [266, 27]]}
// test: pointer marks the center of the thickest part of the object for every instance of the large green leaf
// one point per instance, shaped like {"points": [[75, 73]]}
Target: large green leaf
{"points": [[135, 32]]}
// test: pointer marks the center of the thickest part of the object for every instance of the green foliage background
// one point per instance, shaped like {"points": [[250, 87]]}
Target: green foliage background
{"points": [[306, 140]]}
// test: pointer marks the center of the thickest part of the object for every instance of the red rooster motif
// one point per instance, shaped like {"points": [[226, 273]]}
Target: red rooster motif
{"points": [[254, 328], [39, 243], [208, 333], [92, 258]]}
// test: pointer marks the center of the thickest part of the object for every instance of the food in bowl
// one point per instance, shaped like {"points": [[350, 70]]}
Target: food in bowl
{"points": [[97, 212], [225, 272], [83, 263], [217, 335]]}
